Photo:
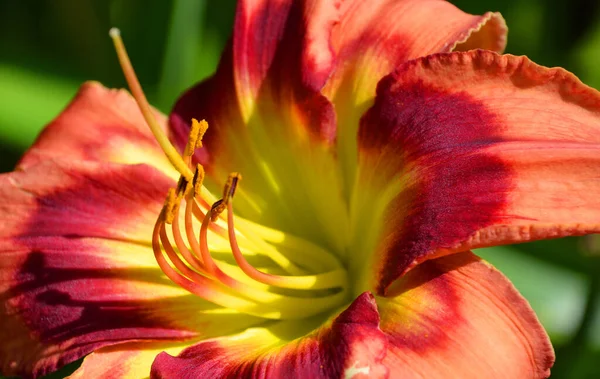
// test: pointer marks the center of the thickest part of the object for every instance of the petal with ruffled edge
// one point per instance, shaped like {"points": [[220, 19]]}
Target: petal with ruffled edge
{"points": [[466, 150], [102, 125], [374, 37], [77, 270], [459, 315], [453, 314], [350, 344], [266, 109]]}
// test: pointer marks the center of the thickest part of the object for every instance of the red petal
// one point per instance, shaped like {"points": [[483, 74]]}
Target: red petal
{"points": [[375, 37], [453, 314], [352, 344], [275, 66], [77, 270], [466, 150], [100, 124], [265, 112], [268, 118], [459, 315]]}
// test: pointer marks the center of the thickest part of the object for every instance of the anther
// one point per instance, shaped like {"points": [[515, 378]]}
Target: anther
{"points": [[230, 186], [217, 208], [197, 131], [174, 197], [228, 192], [198, 179], [170, 206]]}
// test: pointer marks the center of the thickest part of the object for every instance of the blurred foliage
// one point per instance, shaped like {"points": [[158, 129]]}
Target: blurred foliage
{"points": [[50, 46]]}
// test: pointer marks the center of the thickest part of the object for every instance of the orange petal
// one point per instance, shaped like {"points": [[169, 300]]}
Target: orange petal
{"points": [[100, 124], [372, 38], [352, 344], [127, 361], [467, 150], [453, 314], [77, 270], [459, 315], [267, 114]]}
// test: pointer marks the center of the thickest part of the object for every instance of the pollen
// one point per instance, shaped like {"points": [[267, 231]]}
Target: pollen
{"points": [[198, 179], [169, 206], [196, 134]]}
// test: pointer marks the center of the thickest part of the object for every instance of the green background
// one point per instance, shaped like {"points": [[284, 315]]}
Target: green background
{"points": [[49, 47]]}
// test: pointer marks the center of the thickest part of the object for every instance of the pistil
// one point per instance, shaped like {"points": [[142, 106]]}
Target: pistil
{"points": [[300, 280], [140, 98]]}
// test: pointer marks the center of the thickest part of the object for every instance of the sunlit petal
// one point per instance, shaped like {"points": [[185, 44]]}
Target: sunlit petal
{"points": [[459, 315], [475, 149], [77, 270]]}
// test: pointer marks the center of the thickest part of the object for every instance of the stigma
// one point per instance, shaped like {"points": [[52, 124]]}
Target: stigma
{"points": [[199, 245]]}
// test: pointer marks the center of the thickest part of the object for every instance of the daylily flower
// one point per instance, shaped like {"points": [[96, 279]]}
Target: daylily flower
{"points": [[377, 149]]}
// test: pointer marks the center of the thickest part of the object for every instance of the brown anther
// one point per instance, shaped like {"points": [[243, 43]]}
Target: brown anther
{"points": [[198, 179], [217, 208], [228, 192], [230, 186], [174, 197], [197, 131]]}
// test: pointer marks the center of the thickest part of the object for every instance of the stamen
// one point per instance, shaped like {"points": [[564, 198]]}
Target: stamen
{"points": [[228, 192], [198, 179], [333, 279], [138, 94], [174, 197], [211, 283], [170, 205], [197, 131], [185, 252], [206, 288], [230, 186]]}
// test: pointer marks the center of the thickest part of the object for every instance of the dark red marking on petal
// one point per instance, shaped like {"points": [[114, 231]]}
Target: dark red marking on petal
{"points": [[65, 291], [275, 61], [100, 201], [455, 188], [213, 100], [352, 340]]}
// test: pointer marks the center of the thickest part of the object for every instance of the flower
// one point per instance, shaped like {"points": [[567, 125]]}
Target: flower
{"points": [[377, 147]]}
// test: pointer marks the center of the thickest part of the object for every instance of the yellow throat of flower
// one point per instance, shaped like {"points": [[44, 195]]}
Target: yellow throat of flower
{"points": [[299, 279]]}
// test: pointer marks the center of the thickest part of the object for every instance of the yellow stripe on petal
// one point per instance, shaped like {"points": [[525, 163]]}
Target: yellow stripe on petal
{"points": [[124, 361]]}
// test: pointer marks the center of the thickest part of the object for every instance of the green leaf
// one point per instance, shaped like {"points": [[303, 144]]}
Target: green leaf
{"points": [[557, 295], [181, 59], [29, 101]]}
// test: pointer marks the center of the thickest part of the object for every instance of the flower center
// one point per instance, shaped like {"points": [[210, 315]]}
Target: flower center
{"points": [[291, 277]]}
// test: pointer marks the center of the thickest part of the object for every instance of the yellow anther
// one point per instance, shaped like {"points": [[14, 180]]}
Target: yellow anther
{"points": [[198, 179], [174, 197], [170, 206], [196, 133]]}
